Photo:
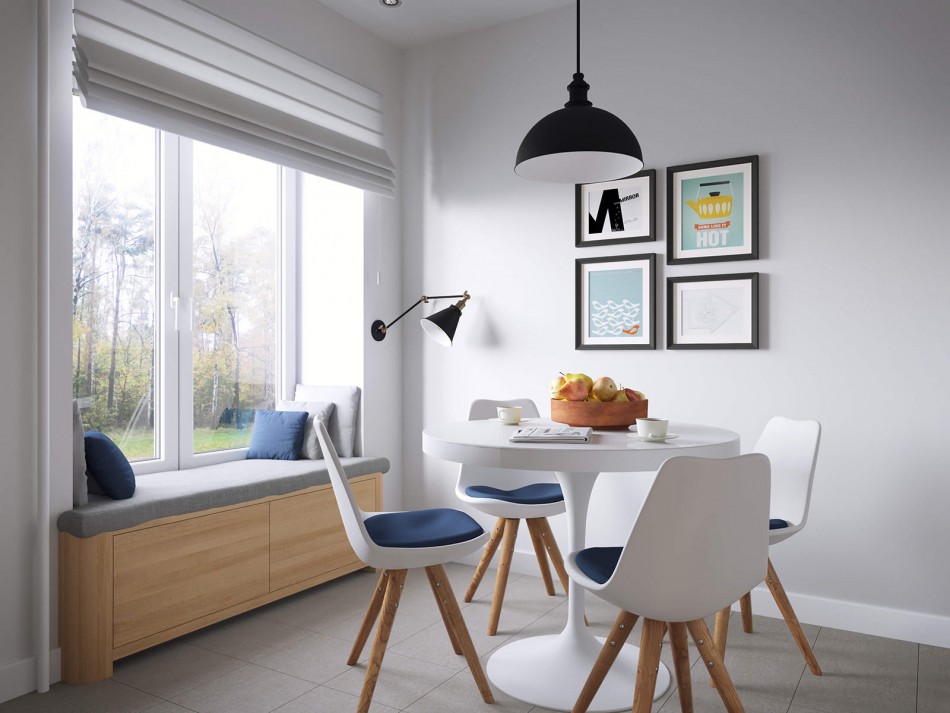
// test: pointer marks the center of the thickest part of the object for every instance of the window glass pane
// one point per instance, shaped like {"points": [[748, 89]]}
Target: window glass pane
{"points": [[235, 283], [114, 285]]}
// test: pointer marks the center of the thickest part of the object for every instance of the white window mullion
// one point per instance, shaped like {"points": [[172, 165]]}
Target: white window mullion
{"points": [[287, 285], [168, 312], [186, 415]]}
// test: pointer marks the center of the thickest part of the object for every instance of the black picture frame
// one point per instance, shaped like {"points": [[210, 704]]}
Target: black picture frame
{"points": [[716, 312], [638, 315], [613, 215], [676, 254]]}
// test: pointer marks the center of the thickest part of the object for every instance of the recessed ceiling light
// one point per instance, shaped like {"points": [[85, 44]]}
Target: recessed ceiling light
{"points": [[390, 3]]}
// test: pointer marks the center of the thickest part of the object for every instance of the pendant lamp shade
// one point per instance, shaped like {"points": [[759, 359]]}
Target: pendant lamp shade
{"points": [[579, 143]]}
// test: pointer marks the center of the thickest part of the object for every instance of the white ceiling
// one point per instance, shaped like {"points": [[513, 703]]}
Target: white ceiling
{"points": [[418, 22]]}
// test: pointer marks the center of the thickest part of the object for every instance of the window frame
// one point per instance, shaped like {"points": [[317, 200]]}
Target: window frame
{"points": [[174, 306]]}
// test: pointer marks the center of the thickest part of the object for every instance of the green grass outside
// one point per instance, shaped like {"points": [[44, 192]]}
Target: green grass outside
{"points": [[140, 445]]}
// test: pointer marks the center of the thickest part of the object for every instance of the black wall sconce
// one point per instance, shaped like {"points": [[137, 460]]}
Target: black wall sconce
{"points": [[440, 325]]}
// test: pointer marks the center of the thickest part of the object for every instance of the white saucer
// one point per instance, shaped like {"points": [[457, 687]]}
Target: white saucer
{"points": [[498, 420], [647, 439]]}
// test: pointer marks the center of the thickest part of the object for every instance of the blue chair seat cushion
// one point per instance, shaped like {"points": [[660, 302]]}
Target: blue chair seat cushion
{"points": [[422, 528], [534, 494], [777, 524], [598, 563]]}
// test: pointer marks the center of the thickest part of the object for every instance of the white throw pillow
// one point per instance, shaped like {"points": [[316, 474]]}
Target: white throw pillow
{"points": [[316, 410], [344, 421]]}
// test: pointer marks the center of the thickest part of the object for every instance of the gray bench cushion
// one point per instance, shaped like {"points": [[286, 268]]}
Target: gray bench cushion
{"points": [[184, 491]]}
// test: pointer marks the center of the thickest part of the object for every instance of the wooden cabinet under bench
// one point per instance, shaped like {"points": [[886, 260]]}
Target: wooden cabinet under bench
{"points": [[125, 591]]}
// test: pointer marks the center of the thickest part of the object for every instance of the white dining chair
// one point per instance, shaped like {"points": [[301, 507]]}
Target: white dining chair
{"points": [[699, 541], [511, 496], [792, 449], [395, 542]]}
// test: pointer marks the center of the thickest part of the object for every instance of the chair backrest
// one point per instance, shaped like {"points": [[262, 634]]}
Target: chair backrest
{"points": [[350, 511], [500, 477], [700, 541], [792, 449]]}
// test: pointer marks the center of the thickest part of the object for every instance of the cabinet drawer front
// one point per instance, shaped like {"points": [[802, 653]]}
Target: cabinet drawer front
{"points": [[170, 574], [307, 536]]}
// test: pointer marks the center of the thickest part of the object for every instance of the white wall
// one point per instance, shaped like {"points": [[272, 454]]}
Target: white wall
{"points": [[846, 103], [18, 314]]}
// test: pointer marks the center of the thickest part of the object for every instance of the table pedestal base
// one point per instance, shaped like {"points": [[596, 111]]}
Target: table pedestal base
{"points": [[550, 671]]}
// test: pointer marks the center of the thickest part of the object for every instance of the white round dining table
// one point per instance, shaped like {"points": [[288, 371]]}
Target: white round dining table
{"points": [[549, 671]]}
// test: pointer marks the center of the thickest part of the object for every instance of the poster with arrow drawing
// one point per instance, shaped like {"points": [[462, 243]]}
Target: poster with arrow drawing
{"points": [[713, 312], [614, 212]]}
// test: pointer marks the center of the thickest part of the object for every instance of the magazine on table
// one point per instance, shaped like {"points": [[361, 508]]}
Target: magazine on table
{"points": [[551, 434]]}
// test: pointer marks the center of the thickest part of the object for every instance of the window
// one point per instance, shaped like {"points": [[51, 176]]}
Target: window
{"points": [[179, 278], [114, 297]]}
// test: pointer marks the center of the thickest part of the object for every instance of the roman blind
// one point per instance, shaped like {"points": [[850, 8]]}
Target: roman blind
{"points": [[174, 66]]}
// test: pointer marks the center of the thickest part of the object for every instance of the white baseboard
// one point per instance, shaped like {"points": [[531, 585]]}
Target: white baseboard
{"points": [[821, 611], [861, 618], [19, 678]]}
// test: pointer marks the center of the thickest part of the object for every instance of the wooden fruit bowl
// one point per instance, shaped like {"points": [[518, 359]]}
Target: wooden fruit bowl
{"points": [[597, 414]]}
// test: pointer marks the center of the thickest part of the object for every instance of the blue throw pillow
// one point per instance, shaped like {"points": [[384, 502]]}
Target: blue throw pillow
{"points": [[277, 435], [108, 466]]}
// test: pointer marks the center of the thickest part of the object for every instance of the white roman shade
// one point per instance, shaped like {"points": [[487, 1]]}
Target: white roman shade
{"points": [[174, 66]]}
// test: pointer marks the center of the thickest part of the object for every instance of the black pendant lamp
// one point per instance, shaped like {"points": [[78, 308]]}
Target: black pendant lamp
{"points": [[579, 143]]}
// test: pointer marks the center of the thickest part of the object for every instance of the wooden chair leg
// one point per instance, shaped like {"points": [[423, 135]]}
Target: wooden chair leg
{"points": [[550, 545], [650, 643], [681, 665], [720, 634], [372, 613], [612, 647], [745, 605], [791, 620], [390, 603], [487, 555], [440, 582], [537, 539], [713, 663], [435, 584], [501, 579]]}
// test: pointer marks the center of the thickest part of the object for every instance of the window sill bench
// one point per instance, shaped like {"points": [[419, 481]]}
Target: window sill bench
{"points": [[195, 547]]}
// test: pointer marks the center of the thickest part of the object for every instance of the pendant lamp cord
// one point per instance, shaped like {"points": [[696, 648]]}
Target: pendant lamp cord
{"points": [[578, 36]]}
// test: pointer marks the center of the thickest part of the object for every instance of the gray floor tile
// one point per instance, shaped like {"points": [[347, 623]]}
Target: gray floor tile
{"points": [[315, 610], [273, 658], [328, 700], [460, 695], [102, 697], [250, 689], [173, 668], [316, 658], [402, 680], [404, 626], [933, 682], [432, 644], [861, 674], [357, 586], [707, 700], [765, 663], [247, 637], [169, 707]]}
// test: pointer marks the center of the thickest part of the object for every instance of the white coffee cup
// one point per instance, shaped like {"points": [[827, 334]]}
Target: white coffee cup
{"points": [[509, 414], [652, 428]]}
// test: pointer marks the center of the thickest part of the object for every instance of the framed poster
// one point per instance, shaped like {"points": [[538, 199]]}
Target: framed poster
{"points": [[614, 302], [613, 212], [713, 211], [713, 311]]}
